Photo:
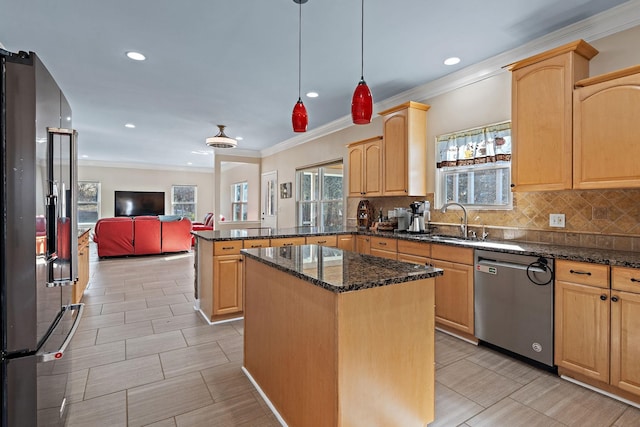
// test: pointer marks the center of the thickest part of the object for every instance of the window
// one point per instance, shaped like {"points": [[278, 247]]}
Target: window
{"points": [[88, 202], [184, 199], [239, 198], [474, 168], [320, 195]]}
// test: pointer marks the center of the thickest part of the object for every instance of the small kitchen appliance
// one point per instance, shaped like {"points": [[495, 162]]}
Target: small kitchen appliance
{"points": [[417, 217]]}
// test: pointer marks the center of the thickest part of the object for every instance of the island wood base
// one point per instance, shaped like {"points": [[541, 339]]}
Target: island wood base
{"points": [[359, 358]]}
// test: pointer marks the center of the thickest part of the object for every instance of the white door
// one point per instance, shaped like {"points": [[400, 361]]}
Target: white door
{"points": [[269, 199]]}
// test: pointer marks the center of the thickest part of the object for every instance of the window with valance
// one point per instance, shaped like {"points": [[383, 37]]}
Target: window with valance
{"points": [[474, 167]]}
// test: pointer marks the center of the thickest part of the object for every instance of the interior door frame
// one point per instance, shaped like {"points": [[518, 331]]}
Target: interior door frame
{"points": [[266, 202]]}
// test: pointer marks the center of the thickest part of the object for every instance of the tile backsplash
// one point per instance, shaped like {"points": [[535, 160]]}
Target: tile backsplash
{"points": [[593, 218]]}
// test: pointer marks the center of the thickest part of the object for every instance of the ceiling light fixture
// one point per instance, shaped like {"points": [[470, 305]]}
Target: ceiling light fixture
{"points": [[136, 56], [362, 101], [452, 61], [312, 94], [221, 140], [130, 125], [299, 117]]}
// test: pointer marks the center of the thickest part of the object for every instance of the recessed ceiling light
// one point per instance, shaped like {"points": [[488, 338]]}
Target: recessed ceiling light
{"points": [[239, 138], [84, 156], [130, 125], [312, 94], [68, 118], [136, 56], [452, 61], [189, 163], [201, 152]]}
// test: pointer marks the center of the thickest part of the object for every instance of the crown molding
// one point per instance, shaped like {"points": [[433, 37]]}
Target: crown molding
{"points": [[144, 166], [619, 18]]}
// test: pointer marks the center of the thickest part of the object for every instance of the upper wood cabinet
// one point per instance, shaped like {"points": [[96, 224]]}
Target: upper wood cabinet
{"points": [[606, 109], [404, 150], [365, 167], [542, 116]]}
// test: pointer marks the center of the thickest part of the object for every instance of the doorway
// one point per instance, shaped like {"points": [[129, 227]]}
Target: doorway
{"points": [[269, 199]]}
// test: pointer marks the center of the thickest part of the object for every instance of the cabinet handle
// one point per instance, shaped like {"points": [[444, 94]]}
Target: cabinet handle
{"points": [[382, 243], [287, 244], [614, 298], [256, 246], [635, 280], [322, 241], [226, 248], [588, 273], [603, 297], [513, 185], [240, 260]]}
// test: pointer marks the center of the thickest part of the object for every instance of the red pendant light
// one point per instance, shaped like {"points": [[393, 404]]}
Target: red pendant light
{"points": [[299, 117], [362, 101]]}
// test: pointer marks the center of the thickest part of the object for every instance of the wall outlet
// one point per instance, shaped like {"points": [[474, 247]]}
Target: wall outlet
{"points": [[556, 220]]}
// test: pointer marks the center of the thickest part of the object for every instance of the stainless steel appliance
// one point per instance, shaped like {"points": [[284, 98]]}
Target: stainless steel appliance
{"points": [[514, 303], [39, 185], [417, 217]]}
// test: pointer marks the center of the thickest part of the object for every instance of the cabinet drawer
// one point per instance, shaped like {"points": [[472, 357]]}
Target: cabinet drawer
{"points": [[384, 254], [229, 247], [255, 243], [414, 259], [583, 273], [414, 248], [384, 244], [625, 279], [323, 240], [288, 241], [452, 254]]}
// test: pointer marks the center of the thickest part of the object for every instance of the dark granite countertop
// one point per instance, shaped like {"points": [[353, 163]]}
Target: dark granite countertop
{"points": [[573, 253], [262, 233], [337, 270]]}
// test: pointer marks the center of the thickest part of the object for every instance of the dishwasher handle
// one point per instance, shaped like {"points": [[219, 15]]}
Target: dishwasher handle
{"points": [[490, 266], [504, 264]]}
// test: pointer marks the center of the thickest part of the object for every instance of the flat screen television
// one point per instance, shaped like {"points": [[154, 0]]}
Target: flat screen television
{"points": [[136, 203]]}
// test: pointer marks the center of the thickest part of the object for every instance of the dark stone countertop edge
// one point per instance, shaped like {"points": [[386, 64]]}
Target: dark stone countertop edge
{"points": [[431, 273], [571, 253]]}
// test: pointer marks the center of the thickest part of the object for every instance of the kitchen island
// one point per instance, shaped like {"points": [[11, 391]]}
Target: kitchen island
{"points": [[336, 338]]}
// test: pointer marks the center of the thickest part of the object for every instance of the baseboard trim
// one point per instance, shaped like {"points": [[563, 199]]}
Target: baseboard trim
{"points": [[460, 337], [217, 322], [265, 398], [600, 391]]}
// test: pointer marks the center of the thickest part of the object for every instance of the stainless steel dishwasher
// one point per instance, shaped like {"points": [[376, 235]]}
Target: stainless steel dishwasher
{"points": [[514, 303]]}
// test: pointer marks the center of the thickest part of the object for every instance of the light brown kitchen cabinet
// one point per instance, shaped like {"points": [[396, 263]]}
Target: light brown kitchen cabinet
{"points": [[323, 240], [220, 279], [414, 252], [625, 329], [365, 167], [542, 116], [83, 267], [346, 242], [606, 109], [384, 247], [363, 244], [582, 310], [287, 241], [454, 289], [255, 243], [404, 150]]}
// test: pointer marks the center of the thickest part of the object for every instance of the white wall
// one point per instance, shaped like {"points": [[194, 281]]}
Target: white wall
{"points": [[233, 173], [130, 179]]}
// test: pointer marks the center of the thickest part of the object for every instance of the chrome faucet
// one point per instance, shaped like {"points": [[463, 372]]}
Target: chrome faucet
{"points": [[465, 225]]}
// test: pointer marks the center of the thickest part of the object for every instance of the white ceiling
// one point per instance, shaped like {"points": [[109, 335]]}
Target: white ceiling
{"points": [[235, 62]]}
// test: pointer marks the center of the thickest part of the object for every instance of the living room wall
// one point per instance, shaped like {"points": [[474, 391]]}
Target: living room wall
{"points": [[140, 179]]}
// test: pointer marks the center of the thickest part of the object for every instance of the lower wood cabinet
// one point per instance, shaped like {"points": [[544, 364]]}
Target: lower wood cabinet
{"points": [[288, 241], [227, 284], [83, 267], [325, 240], [454, 289], [346, 242], [597, 325], [363, 244]]}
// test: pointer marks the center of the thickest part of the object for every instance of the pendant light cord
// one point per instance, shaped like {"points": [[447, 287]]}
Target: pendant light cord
{"points": [[299, 49], [362, 43]]}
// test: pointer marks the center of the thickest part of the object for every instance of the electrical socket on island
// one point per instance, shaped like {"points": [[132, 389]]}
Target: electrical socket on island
{"points": [[556, 220]]}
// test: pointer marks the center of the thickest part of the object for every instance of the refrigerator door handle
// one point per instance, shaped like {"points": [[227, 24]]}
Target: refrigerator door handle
{"points": [[55, 355]]}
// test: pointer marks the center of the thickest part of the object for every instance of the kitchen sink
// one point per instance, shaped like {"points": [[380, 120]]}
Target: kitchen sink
{"points": [[475, 243]]}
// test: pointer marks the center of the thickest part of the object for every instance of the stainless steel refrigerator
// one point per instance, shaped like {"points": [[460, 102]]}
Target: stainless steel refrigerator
{"points": [[38, 247]]}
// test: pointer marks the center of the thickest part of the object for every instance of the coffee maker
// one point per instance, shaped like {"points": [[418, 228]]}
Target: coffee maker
{"points": [[417, 217]]}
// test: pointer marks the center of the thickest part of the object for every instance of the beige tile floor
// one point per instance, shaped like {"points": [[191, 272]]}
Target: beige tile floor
{"points": [[142, 356]]}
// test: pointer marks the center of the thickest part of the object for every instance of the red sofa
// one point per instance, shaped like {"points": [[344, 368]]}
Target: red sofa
{"points": [[206, 225], [142, 235]]}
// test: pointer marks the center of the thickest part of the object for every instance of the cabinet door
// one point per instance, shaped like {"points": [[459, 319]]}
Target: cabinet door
{"points": [[606, 129], [363, 245], [323, 240], [582, 329], [625, 341], [288, 241], [414, 259], [346, 242], [395, 155], [356, 171], [373, 169], [227, 284], [454, 296]]}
